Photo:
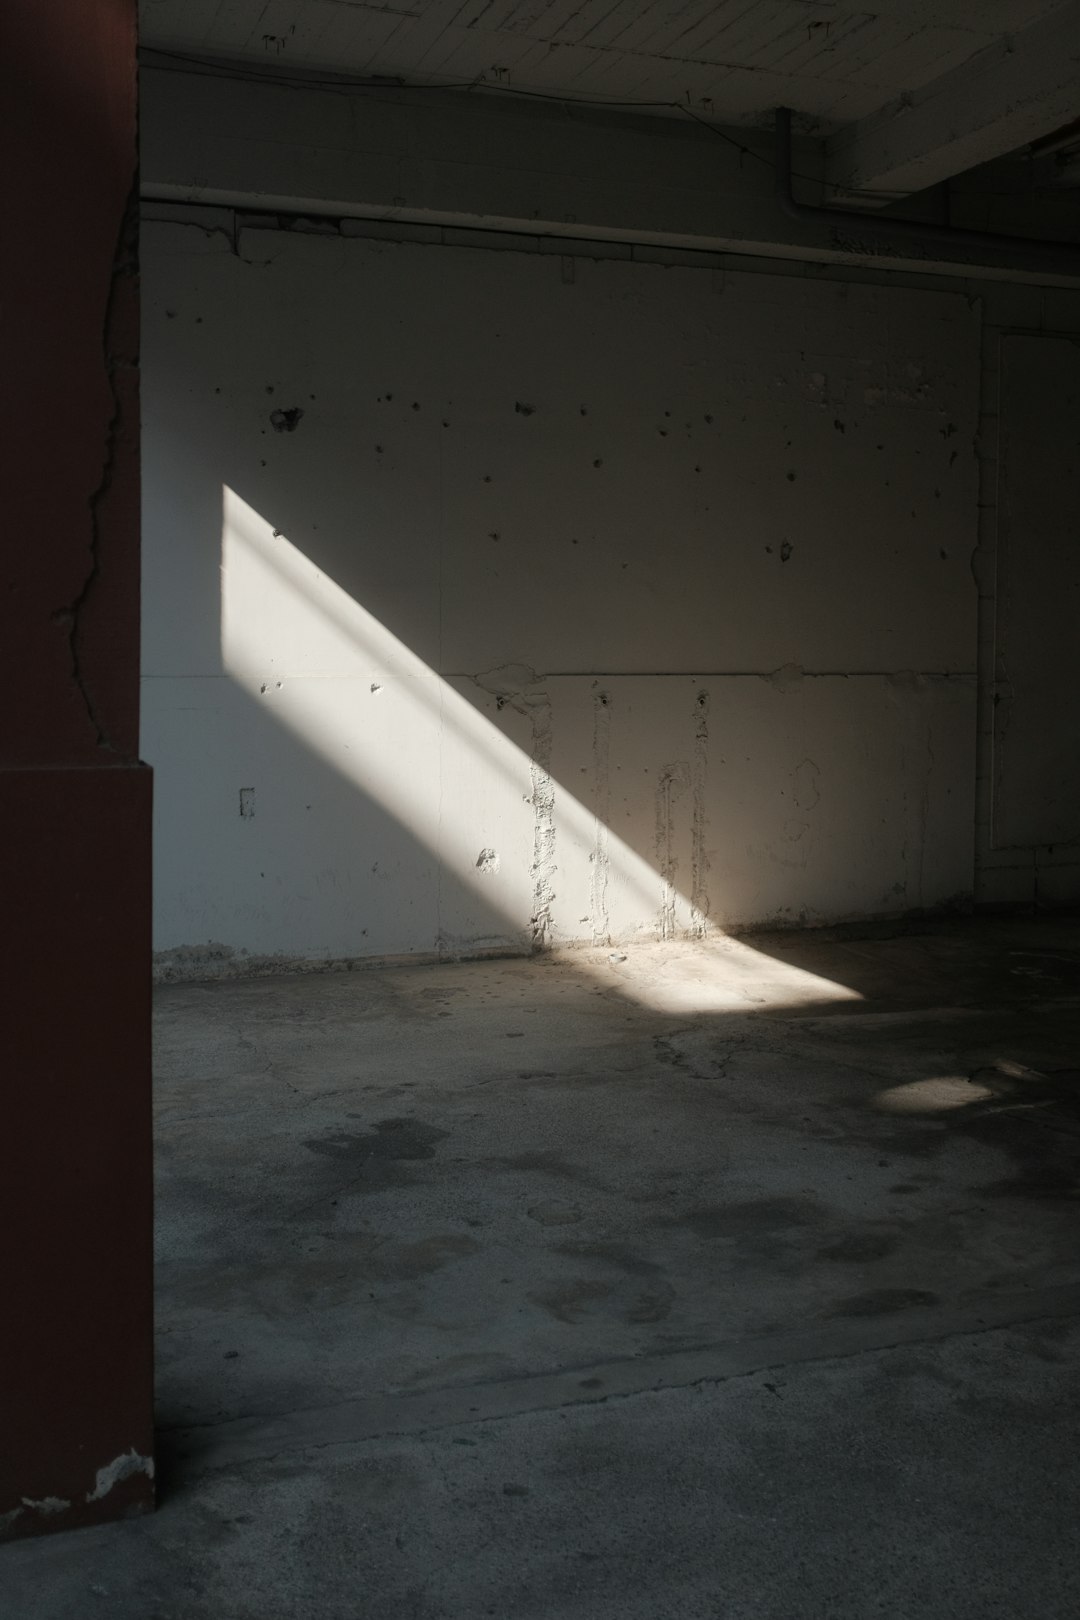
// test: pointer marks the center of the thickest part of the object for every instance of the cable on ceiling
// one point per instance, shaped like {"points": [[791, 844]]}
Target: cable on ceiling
{"points": [[255, 75]]}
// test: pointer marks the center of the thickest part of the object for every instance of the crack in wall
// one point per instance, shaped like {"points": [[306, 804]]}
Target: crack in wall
{"points": [[542, 868], [699, 820], [600, 857], [515, 685], [673, 779], [124, 268]]}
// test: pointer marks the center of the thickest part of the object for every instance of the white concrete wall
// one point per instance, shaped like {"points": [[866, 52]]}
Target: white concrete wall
{"points": [[578, 600]]}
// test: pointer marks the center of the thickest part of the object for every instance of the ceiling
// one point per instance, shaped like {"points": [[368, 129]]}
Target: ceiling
{"points": [[832, 61]]}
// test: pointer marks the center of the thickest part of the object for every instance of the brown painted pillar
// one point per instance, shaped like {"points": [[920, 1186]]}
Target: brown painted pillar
{"points": [[76, 1433]]}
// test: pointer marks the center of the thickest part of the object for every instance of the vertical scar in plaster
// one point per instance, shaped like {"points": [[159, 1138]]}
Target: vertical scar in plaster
{"points": [[668, 789], [805, 792], [124, 269], [601, 929], [699, 820], [542, 869], [518, 686]]}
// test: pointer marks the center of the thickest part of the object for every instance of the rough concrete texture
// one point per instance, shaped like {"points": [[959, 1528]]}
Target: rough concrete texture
{"points": [[563, 602], [833, 74], [487, 163], [734, 1281], [1002, 97]]}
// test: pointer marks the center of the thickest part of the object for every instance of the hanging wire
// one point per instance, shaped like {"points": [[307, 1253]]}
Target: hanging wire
{"points": [[256, 75]]}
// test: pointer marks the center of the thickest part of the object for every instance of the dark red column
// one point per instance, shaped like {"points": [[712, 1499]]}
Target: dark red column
{"points": [[76, 1433]]}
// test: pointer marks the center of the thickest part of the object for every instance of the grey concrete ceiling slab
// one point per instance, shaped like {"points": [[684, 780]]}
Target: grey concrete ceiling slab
{"points": [[832, 61]]}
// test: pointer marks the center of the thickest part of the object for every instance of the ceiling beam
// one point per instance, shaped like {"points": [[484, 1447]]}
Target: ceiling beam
{"points": [[482, 163], [1013, 92]]}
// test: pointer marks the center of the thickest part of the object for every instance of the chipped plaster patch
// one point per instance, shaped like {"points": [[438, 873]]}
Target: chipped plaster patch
{"points": [[45, 1505], [121, 1468]]}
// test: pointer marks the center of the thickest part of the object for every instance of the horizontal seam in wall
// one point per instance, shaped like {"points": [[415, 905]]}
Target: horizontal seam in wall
{"points": [[956, 282], [738, 674], [634, 675]]}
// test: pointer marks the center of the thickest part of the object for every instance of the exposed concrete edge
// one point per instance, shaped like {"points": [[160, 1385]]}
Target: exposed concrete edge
{"points": [[350, 1422], [212, 961], [1014, 91], [232, 220], [454, 160], [844, 251], [194, 964]]}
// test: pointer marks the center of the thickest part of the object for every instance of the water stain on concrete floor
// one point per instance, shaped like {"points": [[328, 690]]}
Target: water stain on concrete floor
{"points": [[649, 1307], [406, 1198]]}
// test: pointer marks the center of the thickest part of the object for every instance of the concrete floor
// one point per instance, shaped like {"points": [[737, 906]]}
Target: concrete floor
{"points": [[711, 1282]]}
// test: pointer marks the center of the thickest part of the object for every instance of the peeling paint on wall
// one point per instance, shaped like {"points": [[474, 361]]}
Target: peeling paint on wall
{"points": [[669, 790], [517, 686], [51, 1507], [126, 1466], [47, 1504], [785, 679], [805, 791], [699, 822], [543, 866], [286, 421], [598, 907]]}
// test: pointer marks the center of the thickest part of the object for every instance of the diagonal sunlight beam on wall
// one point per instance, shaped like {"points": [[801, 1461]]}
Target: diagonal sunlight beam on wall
{"points": [[484, 804], [280, 613]]}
